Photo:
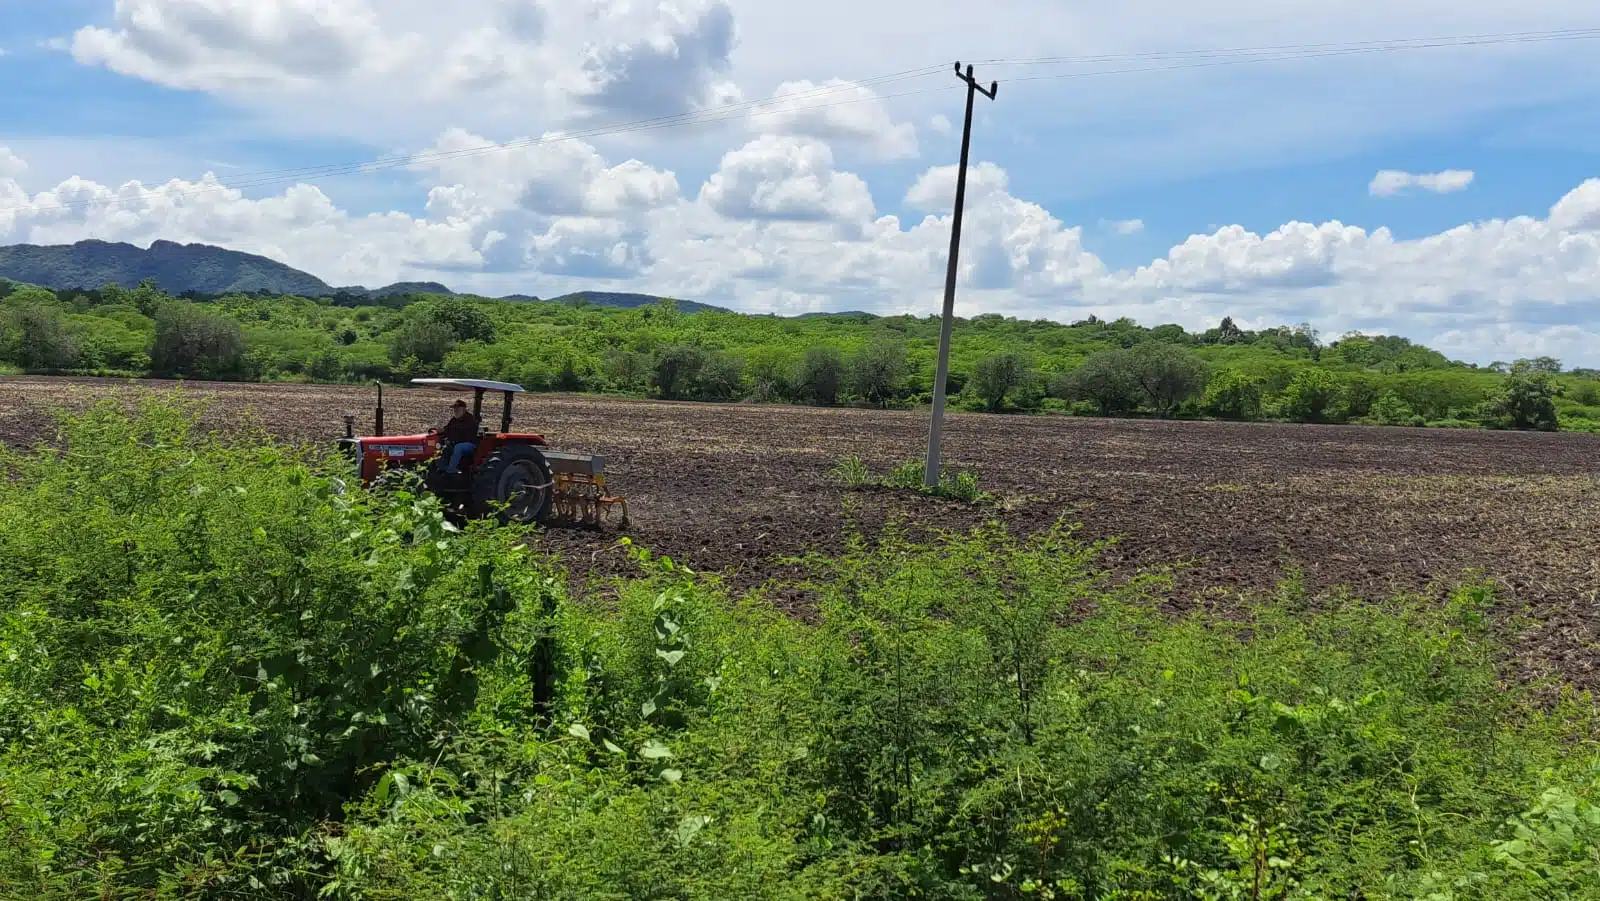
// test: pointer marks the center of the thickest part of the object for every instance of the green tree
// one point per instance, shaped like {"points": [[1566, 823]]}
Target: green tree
{"points": [[34, 336], [426, 340], [996, 377], [1105, 380], [877, 371], [676, 369], [770, 371], [821, 376], [721, 378], [1527, 400], [1311, 395], [1167, 375], [1232, 394], [192, 343], [628, 370], [1392, 409], [465, 320]]}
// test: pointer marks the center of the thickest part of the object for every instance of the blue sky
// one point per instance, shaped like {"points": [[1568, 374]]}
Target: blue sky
{"points": [[1119, 186]]}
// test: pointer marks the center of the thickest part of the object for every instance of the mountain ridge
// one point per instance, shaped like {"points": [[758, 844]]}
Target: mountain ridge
{"points": [[208, 269]]}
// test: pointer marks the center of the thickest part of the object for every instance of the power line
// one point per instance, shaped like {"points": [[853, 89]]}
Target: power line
{"points": [[1179, 59], [1390, 44], [1264, 56]]}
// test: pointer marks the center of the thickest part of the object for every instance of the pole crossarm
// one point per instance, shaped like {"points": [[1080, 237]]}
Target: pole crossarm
{"points": [[994, 86], [930, 476]]}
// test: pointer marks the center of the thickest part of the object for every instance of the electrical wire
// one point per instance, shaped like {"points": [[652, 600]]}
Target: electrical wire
{"points": [[1391, 44], [1178, 59]]}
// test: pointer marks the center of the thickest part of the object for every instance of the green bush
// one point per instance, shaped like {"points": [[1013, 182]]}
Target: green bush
{"points": [[1527, 400], [225, 672], [1232, 394], [1166, 375], [1105, 380], [194, 343], [1311, 396], [34, 335], [821, 376], [996, 377], [1391, 409], [877, 372]]}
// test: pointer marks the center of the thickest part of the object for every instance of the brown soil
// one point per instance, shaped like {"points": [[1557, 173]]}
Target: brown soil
{"points": [[732, 488]]}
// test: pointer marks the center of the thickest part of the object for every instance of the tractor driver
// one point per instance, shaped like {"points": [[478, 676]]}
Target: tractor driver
{"points": [[462, 432]]}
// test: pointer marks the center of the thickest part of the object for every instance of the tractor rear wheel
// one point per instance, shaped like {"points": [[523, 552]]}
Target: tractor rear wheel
{"points": [[516, 483]]}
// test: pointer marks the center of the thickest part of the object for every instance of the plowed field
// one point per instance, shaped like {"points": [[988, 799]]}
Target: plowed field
{"points": [[731, 488]]}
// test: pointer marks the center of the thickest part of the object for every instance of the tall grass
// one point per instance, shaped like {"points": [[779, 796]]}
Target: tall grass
{"points": [[221, 678]]}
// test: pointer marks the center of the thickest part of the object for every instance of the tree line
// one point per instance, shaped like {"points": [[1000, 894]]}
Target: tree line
{"points": [[999, 364]]}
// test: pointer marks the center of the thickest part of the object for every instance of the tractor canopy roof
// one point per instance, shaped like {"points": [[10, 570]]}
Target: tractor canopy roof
{"points": [[467, 385]]}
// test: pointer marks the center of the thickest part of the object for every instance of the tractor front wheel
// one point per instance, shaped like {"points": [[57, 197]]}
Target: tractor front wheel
{"points": [[516, 483]]}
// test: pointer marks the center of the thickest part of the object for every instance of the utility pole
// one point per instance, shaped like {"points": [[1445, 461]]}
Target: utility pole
{"points": [[930, 476]]}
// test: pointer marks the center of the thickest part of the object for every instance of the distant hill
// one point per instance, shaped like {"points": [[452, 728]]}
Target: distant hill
{"points": [[176, 268], [630, 301], [410, 288], [203, 269]]}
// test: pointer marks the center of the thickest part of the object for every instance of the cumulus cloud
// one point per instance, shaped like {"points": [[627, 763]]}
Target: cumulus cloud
{"points": [[786, 178], [1128, 226], [675, 66], [935, 189], [11, 165], [471, 60], [840, 112], [553, 175], [226, 44], [1390, 182], [779, 227]]}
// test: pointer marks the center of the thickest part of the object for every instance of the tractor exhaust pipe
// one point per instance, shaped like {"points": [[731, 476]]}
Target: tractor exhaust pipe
{"points": [[349, 425], [377, 424]]}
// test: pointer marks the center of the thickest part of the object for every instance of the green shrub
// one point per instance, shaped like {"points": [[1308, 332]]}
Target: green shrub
{"points": [[224, 672], [1527, 400], [1232, 394], [194, 343], [1311, 396], [1391, 409], [1105, 380], [996, 377], [821, 376]]}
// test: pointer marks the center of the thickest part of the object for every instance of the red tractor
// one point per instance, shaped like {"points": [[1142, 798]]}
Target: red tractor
{"points": [[512, 475]]}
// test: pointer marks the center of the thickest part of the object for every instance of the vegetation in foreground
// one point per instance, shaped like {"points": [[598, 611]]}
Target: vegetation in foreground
{"points": [[224, 674], [1090, 367]]}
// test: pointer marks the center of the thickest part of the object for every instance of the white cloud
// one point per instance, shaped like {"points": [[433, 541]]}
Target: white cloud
{"points": [[840, 112], [241, 44], [1579, 211], [940, 124], [11, 165], [778, 227], [1390, 182], [553, 175], [786, 179], [1128, 226], [935, 189], [359, 67]]}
